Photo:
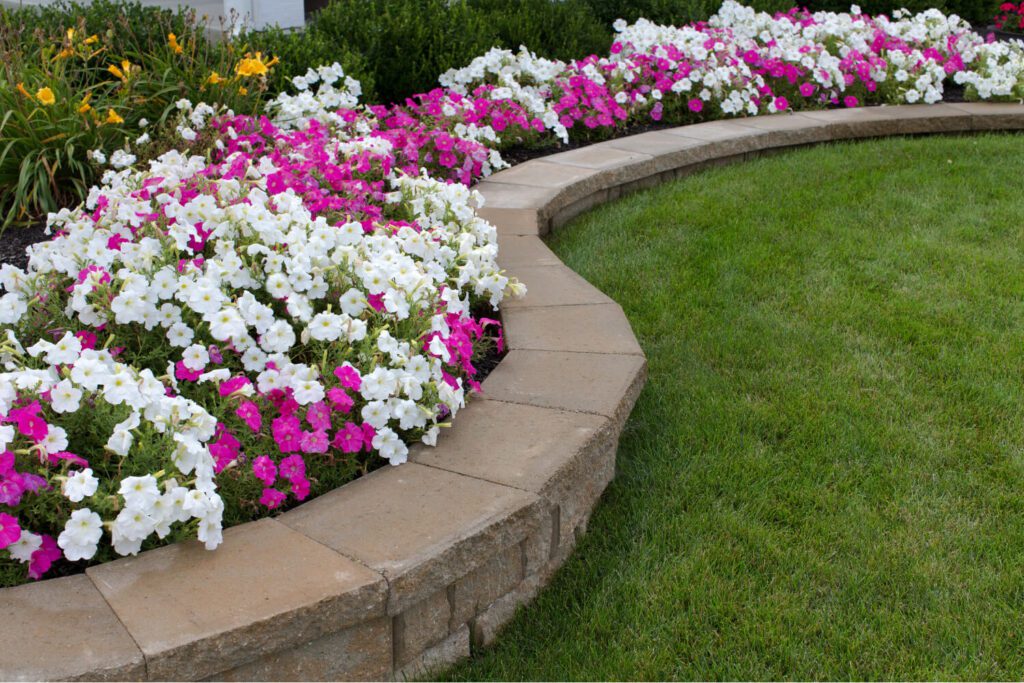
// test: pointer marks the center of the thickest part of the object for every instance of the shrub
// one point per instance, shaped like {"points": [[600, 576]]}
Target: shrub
{"points": [[398, 47]]}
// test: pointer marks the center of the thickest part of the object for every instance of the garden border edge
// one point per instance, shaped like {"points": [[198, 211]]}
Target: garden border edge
{"points": [[406, 570]]}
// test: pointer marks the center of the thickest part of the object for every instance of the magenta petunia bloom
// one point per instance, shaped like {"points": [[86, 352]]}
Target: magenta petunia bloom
{"points": [[249, 413], [10, 531], [696, 105], [340, 400], [43, 558], [349, 438], [265, 470], [272, 498], [850, 101]]}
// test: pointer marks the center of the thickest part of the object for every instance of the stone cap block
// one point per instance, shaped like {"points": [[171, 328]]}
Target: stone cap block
{"points": [[525, 250], [591, 328], [63, 628], [195, 612], [994, 115], [510, 222], [599, 383], [419, 526], [668, 152], [516, 445], [614, 166], [553, 286]]}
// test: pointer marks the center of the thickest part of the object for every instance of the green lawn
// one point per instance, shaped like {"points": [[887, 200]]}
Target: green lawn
{"points": [[824, 477]]}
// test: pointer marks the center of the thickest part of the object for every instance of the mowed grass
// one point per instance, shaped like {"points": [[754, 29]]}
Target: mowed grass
{"points": [[824, 477]]}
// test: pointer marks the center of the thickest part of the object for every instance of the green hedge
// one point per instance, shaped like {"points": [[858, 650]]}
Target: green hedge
{"points": [[400, 47]]}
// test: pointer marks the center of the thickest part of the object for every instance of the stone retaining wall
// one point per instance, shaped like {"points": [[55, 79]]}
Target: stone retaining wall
{"points": [[403, 571]]}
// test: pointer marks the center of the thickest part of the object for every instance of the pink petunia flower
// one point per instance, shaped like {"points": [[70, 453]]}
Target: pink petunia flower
{"points": [[249, 413], [272, 498], [43, 558], [10, 531], [349, 439], [265, 470]]}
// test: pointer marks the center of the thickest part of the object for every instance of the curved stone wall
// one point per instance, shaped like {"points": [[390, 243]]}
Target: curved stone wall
{"points": [[404, 570]]}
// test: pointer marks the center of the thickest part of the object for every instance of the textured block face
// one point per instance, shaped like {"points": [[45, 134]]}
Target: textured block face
{"points": [[359, 653], [473, 593], [63, 628], [439, 657], [421, 626], [265, 589]]}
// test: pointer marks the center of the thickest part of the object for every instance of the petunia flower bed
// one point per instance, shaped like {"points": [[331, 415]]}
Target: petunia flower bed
{"points": [[283, 302]]}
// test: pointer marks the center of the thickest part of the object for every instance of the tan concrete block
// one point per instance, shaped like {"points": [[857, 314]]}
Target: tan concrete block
{"points": [[553, 286], [266, 588], [543, 173], [566, 458], [359, 653], [786, 130], [437, 658], [601, 156], [525, 250], [994, 115], [858, 122], [930, 118], [471, 594], [604, 384], [539, 546], [421, 527], [614, 166], [516, 445], [487, 625], [513, 221], [64, 629], [511, 196], [570, 210], [421, 626], [667, 152], [598, 328]]}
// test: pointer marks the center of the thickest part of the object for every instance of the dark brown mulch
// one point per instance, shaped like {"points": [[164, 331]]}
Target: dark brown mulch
{"points": [[14, 241]]}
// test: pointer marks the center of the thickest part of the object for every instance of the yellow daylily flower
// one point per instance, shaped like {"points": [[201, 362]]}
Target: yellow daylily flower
{"points": [[215, 78], [172, 41], [112, 117], [91, 39], [254, 66], [45, 95], [124, 72], [84, 106], [242, 90]]}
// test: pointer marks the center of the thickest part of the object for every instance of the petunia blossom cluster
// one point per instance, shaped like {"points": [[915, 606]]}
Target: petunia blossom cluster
{"points": [[744, 63], [297, 299]]}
